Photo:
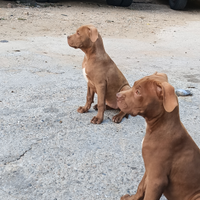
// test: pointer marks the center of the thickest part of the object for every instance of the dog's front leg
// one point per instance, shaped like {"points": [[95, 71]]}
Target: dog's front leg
{"points": [[155, 186], [101, 93], [140, 191], [89, 100]]}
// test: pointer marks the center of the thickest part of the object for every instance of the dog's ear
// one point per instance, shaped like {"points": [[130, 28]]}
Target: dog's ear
{"points": [[93, 33], [155, 73], [167, 93], [164, 76]]}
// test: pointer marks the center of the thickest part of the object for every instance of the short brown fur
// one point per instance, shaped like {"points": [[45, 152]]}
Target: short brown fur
{"points": [[104, 78], [171, 157]]}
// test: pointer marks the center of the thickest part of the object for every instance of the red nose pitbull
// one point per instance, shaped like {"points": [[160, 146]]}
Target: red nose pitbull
{"points": [[101, 73], [171, 157]]}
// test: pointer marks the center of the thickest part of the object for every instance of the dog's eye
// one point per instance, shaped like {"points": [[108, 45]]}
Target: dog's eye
{"points": [[78, 33], [137, 92]]}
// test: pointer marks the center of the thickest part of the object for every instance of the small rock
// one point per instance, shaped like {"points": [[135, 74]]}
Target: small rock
{"points": [[4, 41], [181, 92], [9, 5], [21, 19], [109, 21]]}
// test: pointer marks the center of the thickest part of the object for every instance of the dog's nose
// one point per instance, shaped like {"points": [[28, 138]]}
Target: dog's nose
{"points": [[68, 37], [119, 96]]}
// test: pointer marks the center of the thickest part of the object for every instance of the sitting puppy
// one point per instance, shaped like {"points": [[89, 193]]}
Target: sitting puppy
{"points": [[171, 157], [101, 73]]}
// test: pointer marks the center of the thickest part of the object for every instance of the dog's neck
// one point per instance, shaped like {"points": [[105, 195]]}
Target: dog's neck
{"points": [[97, 48], [163, 119]]}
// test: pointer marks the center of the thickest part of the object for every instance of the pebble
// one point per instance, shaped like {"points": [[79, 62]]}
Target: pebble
{"points": [[181, 92], [9, 5], [4, 41]]}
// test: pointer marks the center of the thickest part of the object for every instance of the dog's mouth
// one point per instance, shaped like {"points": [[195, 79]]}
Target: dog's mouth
{"points": [[122, 104], [74, 47], [71, 45], [69, 41]]}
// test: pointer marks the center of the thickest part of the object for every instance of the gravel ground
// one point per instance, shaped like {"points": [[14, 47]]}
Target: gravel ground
{"points": [[49, 151]]}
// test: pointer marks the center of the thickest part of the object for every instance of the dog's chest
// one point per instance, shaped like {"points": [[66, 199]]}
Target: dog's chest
{"points": [[88, 80], [85, 75], [144, 136], [142, 142]]}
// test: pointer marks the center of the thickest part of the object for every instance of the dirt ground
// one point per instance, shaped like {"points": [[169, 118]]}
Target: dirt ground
{"points": [[49, 151], [139, 21]]}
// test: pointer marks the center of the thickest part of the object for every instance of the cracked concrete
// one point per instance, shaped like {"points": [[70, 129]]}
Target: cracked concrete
{"points": [[17, 157], [48, 151]]}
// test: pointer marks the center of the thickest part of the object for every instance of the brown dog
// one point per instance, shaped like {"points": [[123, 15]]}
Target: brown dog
{"points": [[101, 73], [171, 157]]}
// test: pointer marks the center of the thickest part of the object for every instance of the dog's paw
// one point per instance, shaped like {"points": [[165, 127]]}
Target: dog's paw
{"points": [[118, 118], [95, 107], [96, 120], [82, 109], [127, 197]]}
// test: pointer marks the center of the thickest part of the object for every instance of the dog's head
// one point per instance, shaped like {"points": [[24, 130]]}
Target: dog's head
{"points": [[148, 97], [84, 37]]}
